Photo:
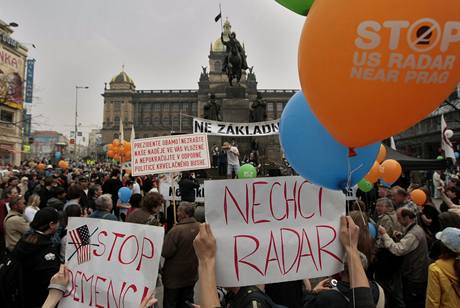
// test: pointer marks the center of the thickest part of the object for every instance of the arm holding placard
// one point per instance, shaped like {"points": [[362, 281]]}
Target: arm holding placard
{"points": [[205, 249], [349, 235]]}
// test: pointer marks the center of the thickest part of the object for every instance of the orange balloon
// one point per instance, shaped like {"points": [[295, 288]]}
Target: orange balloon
{"points": [[110, 153], [41, 166], [391, 170], [116, 142], [373, 174], [382, 153], [127, 150], [128, 145], [117, 157], [377, 54], [63, 164], [418, 196], [109, 146]]}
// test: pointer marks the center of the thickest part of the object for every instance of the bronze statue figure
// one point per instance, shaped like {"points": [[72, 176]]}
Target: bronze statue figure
{"points": [[258, 109], [235, 61], [212, 109]]}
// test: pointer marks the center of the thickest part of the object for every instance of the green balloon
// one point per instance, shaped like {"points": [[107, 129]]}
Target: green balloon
{"points": [[300, 7], [440, 157], [247, 171], [365, 186]]}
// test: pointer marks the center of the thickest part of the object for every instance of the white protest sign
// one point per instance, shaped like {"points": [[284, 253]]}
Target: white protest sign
{"points": [[111, 263], [274, 229], [170, 154], [167, 192], [218, 128]]}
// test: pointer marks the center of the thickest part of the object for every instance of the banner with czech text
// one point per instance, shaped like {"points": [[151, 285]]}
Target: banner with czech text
{"points": [[235, 129], [274, 229], [170, 154], [111, 263]]}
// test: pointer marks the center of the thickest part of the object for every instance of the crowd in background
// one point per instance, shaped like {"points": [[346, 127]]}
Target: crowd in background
{"points": [[410, 254]]}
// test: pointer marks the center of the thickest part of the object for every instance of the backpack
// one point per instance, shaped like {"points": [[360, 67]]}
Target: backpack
{"points": [[11, 286], [251, 294]]}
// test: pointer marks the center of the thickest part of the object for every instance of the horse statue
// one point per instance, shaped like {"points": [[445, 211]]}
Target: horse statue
{"points": [[235, 61], [234, 65]]}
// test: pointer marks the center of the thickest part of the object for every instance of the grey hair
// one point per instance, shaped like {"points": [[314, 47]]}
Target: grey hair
{"points": [[104, 202], [387, 201]]}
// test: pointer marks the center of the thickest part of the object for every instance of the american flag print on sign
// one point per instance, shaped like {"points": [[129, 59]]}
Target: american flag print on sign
{"points": [[81, 239]]}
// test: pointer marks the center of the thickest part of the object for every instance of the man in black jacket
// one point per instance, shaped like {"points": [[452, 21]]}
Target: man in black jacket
{"points": [[38, 256], [187, 186]]}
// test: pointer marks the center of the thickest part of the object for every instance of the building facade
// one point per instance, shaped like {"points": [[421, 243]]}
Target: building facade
{"points": [[95, 146], [164, 112], [12, 70], [424, 139]]}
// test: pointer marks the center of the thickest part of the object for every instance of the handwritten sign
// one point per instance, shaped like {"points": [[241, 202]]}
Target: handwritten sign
{"points": [[274, 229], [170, 154], [111, 264]]}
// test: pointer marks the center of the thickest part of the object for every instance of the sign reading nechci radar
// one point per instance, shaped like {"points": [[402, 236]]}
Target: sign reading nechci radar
{"points": [[170, 154], [274, 229]]}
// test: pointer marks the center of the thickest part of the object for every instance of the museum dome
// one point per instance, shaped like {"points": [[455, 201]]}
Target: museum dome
{"points": [[217, 46], [122, 77]]}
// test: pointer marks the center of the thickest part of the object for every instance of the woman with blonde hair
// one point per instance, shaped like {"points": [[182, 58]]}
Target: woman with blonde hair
{"points": [[32, 207]]}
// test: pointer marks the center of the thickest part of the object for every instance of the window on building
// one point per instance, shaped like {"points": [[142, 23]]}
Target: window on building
{"points": [[6, 116], [185, 107], [117, 106], [175, 107], [157, 107], [117, 120], [270, 107]]}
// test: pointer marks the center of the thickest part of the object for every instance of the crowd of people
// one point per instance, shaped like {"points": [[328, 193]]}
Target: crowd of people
{"points": [[398, 254]]}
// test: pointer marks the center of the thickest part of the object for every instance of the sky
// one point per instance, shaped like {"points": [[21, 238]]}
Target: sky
{"points": [[162, 45]]}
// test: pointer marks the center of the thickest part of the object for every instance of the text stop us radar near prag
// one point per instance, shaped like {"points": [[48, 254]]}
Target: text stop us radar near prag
{"points": [[170, 154], [274, 229]]}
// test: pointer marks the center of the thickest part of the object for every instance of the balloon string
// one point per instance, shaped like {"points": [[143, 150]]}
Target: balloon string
{"points": [[348, 188]]}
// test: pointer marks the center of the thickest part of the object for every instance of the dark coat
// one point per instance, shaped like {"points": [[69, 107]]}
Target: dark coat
{"points": [[181, 264], [187, 189], [40, 261]]}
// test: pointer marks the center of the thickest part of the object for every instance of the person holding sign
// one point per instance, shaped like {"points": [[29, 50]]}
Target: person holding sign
{"points": [[205, 248]]}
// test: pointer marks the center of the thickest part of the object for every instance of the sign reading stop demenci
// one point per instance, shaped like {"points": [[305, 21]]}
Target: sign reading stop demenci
{"points": [[170, 154]]}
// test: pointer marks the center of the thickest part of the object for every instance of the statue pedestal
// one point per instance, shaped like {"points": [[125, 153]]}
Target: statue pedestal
{"points": [[235, 110], [237, 91]]}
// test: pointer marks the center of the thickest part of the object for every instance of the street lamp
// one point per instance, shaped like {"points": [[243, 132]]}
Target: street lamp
{"points": [[76, 118]]}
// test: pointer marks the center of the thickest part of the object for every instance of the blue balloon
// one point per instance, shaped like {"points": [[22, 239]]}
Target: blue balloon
{"points": [[124, 194], [315, 154], [457, 155], [58, 155], [372, 230]]}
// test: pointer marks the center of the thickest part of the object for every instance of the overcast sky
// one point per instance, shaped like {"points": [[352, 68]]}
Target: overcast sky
{"points": [[161, 43]]}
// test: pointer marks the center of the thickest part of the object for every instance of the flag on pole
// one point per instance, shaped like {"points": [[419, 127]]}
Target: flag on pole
{"points": [[133, 135], [446, 145], [122, 134], [218, 17], [392, 143]]}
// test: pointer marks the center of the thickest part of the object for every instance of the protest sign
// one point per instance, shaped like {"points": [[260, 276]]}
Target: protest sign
{"points": [[255, 129], [274, 229], [170, 154], [111, 263], [167, 192]]}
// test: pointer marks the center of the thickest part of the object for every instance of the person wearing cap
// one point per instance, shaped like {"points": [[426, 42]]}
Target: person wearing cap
{"points": [[24, 185], [413, 249], [444, 274], [38, 256], [15, 224]]}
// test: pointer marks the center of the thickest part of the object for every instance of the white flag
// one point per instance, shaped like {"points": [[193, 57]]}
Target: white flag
{"points": [[446, 145], [122, 133], [392, 143], [133, 135]]}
